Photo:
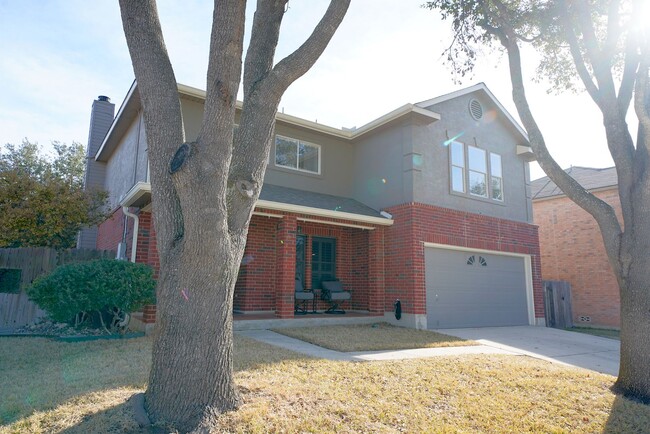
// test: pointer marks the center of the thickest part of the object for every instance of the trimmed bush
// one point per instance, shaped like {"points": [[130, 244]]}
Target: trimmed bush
{"points": [[73, 292]]}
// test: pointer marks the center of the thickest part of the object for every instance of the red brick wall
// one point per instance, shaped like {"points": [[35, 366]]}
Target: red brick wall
{"points": [[109, 233], [573, 250], [416, 223], [256, 287]]}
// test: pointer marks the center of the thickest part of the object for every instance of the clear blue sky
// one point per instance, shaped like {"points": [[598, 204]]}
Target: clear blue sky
{"points": [[57, 56]]}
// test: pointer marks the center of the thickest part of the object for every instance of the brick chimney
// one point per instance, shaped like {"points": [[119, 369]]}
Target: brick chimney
{"points": [[101, 118]]}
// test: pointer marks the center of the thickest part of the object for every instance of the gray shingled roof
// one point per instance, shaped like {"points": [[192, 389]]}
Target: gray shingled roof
{"points": [[590, 178], [292, 196]]}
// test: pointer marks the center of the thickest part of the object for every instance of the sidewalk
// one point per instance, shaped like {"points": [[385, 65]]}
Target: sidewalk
{"points": [[302, 347]]}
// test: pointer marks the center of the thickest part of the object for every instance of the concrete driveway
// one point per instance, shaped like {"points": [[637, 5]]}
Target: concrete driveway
{"points": [[571, 348]]}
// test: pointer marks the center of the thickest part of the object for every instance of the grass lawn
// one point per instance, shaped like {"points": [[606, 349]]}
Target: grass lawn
{"points": [[605, 333], [372, 337], [54, 387]]}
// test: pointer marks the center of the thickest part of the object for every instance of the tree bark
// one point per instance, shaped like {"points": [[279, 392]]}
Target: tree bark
{"points": [[626, 246], [204, 193]]}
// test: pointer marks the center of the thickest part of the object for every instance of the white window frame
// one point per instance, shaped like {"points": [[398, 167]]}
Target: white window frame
{"points": [[466, 173], [452, 166], [298, 143], [470, 170], [492, 176]]}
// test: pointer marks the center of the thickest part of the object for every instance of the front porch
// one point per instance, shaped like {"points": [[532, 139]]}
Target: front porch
{"points": [[286, 246]]}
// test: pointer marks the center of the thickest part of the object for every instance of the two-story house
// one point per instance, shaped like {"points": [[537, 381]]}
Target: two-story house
{"points": [[429, 204]]}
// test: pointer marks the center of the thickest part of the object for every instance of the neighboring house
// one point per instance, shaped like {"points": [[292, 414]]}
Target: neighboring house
{"points": [[572, 246], [429, 204]]}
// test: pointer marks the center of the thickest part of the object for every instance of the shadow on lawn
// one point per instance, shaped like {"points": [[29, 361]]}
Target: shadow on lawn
{"points": [[41, 374], [627, 416], [124, 418]]}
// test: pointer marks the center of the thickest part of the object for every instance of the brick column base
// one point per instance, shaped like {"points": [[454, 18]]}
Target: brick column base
{"points": [[285, 254]]}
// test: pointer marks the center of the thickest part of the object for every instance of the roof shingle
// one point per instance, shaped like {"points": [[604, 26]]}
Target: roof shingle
{"points": [[590, 178]]}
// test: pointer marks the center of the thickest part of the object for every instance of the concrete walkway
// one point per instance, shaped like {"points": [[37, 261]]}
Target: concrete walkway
{"points": [[298, 346], [557, 346]]}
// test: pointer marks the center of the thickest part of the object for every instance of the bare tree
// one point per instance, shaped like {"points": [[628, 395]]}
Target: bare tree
{"points": [[204, 192], [604, 45]]}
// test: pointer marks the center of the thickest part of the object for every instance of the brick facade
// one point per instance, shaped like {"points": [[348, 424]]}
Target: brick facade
{"points": [[377, 266], [110, 234], [416, 224], [266, 276], [573, 250]]}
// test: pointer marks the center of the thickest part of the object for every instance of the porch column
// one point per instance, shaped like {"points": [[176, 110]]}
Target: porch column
{"points": [[285, 254], [376, 285]]}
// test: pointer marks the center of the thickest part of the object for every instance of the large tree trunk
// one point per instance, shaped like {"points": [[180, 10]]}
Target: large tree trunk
{"points": [[191, 373], [204, 193]]}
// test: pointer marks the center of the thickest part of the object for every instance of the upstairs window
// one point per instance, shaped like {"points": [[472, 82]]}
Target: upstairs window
{"points": [[457, 167], [296, 154], [475, 171], [496, 175]]}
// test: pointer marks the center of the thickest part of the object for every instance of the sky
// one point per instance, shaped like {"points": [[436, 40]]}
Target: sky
{"points": [[57, 56]]}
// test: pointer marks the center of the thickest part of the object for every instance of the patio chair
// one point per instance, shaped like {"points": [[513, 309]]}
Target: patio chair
{"points": [[334, 293], [302, 299]]}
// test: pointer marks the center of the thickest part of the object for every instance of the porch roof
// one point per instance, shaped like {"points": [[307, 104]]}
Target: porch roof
{"points": [[287, 199], [327, 205]]}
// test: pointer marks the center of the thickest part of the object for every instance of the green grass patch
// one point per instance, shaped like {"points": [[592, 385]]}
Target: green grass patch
{"points": [[372, 337], [604, 333]]}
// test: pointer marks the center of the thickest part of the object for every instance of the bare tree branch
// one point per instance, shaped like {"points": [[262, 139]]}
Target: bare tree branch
{"points": [[601, 211], [297, 63], [224, 72], [159, 96], [264, 39], [641, 98]]}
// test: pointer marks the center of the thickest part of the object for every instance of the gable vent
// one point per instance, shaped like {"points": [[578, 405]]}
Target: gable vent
{"points": [[475, 109]]}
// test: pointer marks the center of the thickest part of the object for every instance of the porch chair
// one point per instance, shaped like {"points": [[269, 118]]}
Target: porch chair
{"points": [[301, 299], [334, 293]]}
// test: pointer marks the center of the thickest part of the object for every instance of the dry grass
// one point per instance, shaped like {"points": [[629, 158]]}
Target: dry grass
{"points": [[372, 337], [491, 394], [60, 383]]}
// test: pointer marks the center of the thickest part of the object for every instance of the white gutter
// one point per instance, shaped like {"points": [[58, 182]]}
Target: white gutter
{"points": [[136, 224], [300, 209]]}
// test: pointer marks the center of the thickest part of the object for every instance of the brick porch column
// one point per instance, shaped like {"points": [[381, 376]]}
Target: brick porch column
{"points": [[285, 255], [376, 284]]}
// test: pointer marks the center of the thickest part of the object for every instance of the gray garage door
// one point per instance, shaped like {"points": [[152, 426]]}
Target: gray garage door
{"points": [[466, 289]]}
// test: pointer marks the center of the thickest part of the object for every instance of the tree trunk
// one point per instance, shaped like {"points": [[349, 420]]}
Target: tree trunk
{"points": [[192, 375], [634, 372]]}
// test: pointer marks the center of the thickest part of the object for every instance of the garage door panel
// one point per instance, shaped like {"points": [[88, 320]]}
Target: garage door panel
{"points": [[487, 290]]}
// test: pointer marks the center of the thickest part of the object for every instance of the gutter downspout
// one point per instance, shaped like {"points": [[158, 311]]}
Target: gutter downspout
{"points": [[136, 223]]}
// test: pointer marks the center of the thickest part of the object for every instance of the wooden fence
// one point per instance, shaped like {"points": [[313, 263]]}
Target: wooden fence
{"points": [[16, 310], [557, 301]]}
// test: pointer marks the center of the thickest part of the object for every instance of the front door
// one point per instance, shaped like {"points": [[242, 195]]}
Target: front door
{"points": [[323, 260]]}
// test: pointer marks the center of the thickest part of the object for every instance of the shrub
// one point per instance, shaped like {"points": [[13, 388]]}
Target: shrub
{"points": [[75, 291]]}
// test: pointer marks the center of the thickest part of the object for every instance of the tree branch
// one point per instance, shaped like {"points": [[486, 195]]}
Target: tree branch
{"points": [[600, 210], [224, 75], [264, 39], [642, 103], [297, 63], [158, 91], [578, 60]]}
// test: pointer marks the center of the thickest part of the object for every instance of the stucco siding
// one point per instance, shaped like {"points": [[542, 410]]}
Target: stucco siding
{"points": [[122, 170], [336, 164], [383, 173], [494, 133]]}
